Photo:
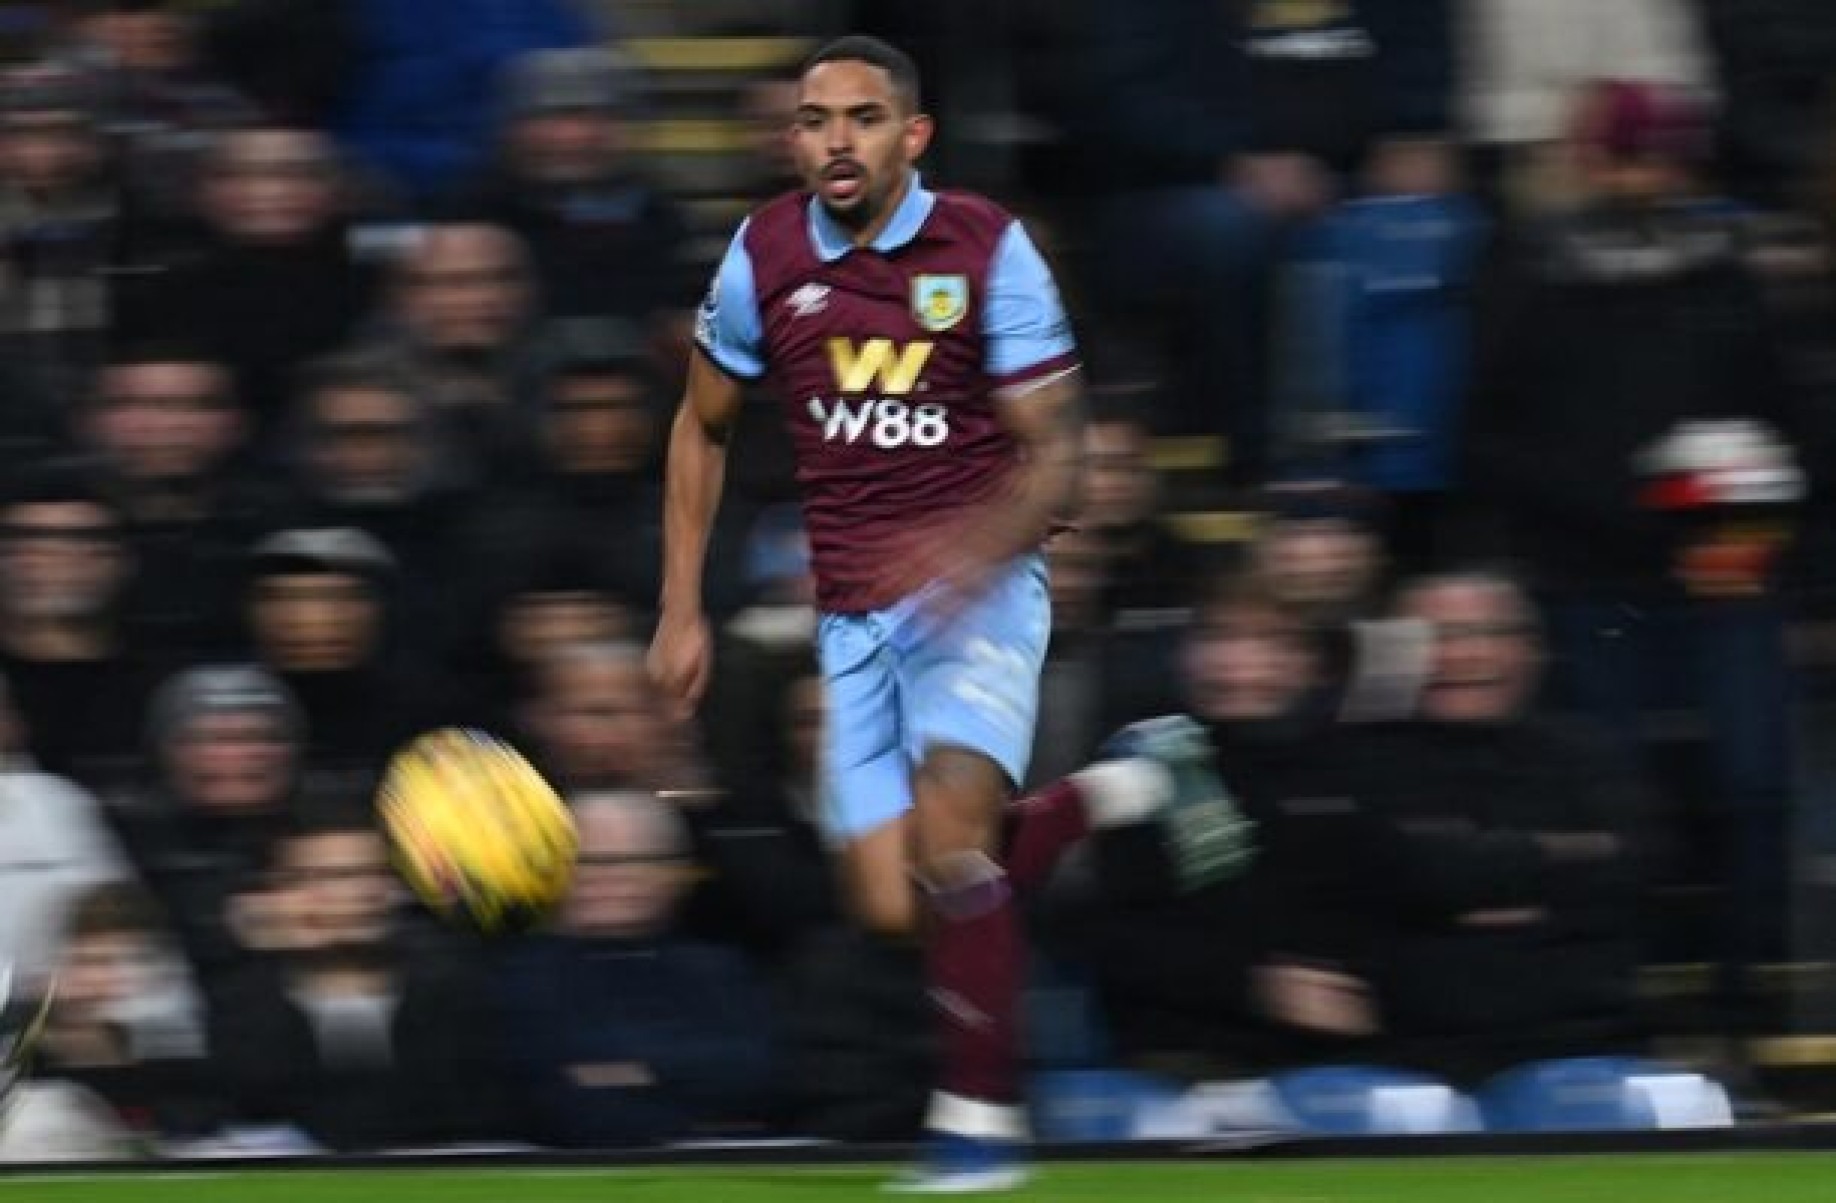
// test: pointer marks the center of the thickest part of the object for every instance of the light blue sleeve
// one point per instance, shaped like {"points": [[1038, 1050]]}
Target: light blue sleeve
{"points": [[1022, 318], [727, 326]]}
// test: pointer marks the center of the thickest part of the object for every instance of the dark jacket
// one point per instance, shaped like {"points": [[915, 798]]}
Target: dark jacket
{"points": [[687, 1019], [1774, 60], [1597, 335], [1461, 811], [427, 1080], [612, 248], [1173, 969], [1172, 88]]}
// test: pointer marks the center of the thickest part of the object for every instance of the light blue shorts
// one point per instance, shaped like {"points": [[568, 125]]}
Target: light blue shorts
{"points": [[899, 682]]}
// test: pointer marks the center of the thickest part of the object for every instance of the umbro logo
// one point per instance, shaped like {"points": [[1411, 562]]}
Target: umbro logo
{"points": [[808, 300]]}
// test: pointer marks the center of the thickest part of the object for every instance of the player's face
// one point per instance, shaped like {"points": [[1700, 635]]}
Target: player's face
{"points": [[855, 140]]}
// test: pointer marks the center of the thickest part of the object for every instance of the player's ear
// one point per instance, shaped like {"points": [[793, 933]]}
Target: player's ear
{"points": [[918, 130]]}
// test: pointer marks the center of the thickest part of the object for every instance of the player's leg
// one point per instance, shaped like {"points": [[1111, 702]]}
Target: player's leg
{"points": [[969, 693], [865, 787], [876, 874], [975, 956]]}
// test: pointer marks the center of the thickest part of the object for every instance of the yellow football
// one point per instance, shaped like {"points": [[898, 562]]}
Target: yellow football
{"points": [[477, 833]]}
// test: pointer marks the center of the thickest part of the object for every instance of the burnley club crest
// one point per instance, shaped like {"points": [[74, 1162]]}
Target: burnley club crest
{"points": [[939, 302]]}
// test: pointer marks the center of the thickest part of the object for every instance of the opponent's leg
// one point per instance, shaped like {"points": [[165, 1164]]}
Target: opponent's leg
{"points": [[1160, 771]]}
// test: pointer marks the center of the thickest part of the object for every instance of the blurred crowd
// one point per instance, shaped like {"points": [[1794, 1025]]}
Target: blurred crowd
{"points": [[338, 339]]}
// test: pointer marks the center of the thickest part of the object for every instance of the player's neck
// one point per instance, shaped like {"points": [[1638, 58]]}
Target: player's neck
{"points": [[873, 229]]}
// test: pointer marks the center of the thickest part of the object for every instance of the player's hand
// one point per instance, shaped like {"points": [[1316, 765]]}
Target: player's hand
{"points": [[681, 657]]}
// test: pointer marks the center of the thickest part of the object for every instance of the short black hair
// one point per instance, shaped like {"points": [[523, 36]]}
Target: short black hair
{"points": [[860, 48]]}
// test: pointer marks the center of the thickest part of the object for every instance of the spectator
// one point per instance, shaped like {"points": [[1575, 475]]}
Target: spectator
{"points": [[597, 724], [764, 651], [368, 454], [1522, 61], [168, 427], [158, 101], [1773, 61], [1320, 552], [225, 749], [1151, 572], [357, 1037], [1272, 965], [858, 1048], [770, 887], [1088, 683], [623, 1032], [291, 58], [414, 110], [124, 1023], [1210, 129], [1390, 341], [79, 683], [593, 471], [1512, 851], [61, 228], [1121, 589], [459, 312], [323, 619], [1557, 443], [604, 241], [55, 843], [271, 278], [560, 594]]}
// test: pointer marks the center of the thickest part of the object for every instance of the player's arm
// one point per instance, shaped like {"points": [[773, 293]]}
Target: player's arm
{"points": [[695, 477], [1047, 420], [1039, 392], [728, 350]]}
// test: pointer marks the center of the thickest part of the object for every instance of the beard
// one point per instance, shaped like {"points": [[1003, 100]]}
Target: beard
{"points": [[855, 217]]}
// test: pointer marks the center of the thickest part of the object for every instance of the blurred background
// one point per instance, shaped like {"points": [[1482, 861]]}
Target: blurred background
{"points": [[1464, 419]]}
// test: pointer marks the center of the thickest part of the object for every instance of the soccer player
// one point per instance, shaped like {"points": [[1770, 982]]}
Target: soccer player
{"points": [[932, 389]]}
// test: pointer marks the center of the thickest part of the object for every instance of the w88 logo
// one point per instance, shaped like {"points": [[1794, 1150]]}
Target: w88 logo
{"points": [[884, 422]]}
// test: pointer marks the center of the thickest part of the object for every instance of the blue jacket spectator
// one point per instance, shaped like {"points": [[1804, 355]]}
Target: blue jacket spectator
{"points": [[1399, 270], [420, 107]]}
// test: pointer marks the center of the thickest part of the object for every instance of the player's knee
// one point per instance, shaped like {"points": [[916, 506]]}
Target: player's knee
{"points": [[963, 885]]}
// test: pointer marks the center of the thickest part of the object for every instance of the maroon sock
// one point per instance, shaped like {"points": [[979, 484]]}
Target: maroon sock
{"points": [[1044, 826], [976, 965]]}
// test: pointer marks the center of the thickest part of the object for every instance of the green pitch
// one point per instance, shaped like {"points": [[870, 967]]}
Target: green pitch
{"points": [[1718, 1178]]}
